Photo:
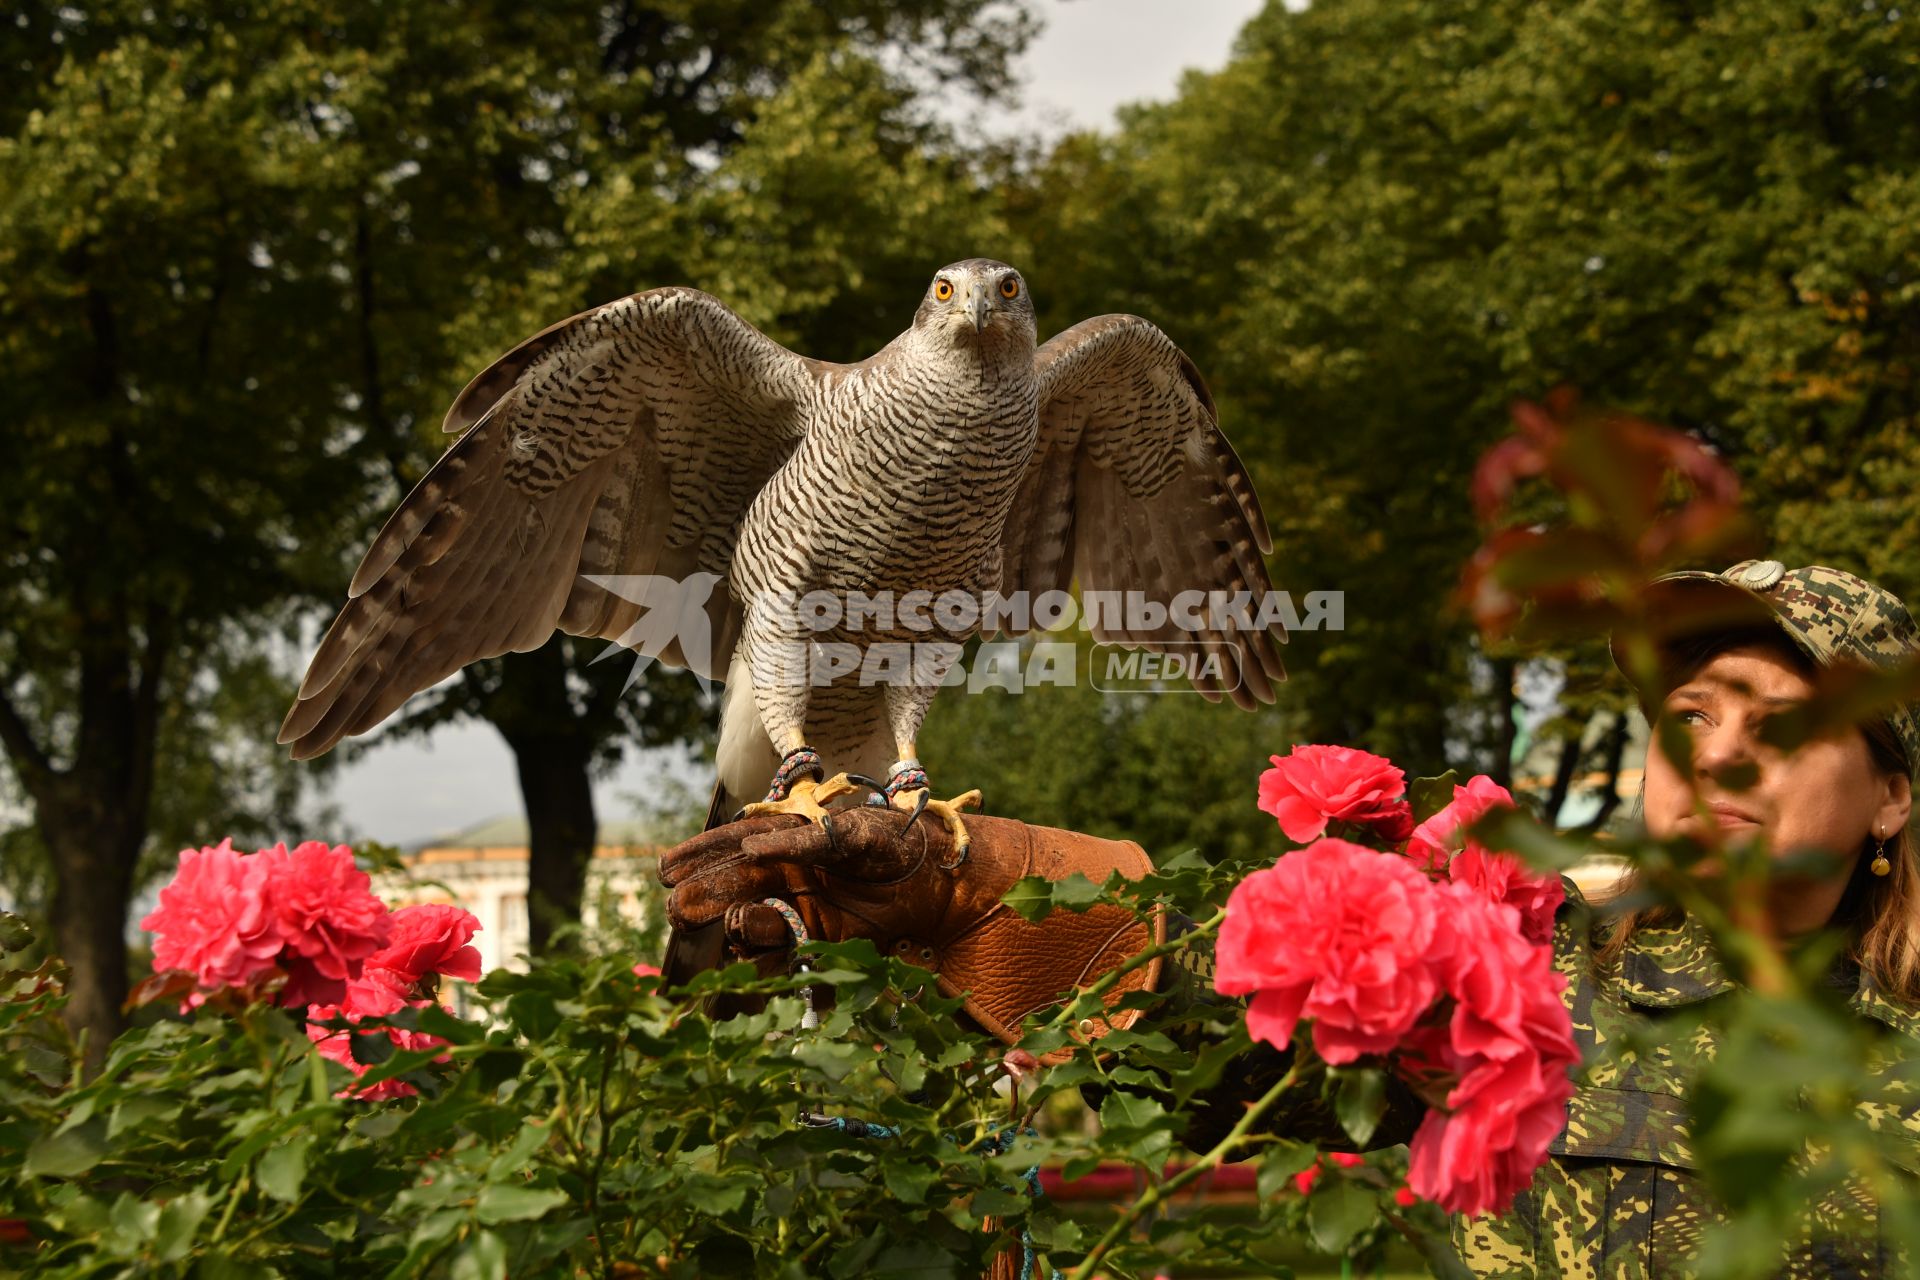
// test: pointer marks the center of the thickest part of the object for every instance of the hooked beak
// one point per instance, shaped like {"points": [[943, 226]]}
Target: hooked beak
{"points": [[979, 306]]}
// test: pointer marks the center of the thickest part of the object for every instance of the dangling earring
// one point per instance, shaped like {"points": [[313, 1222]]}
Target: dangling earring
{"points": [[1880, 864]]}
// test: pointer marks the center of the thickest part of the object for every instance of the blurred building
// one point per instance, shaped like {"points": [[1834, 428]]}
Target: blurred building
{"points": [[484, 870], [1534, 773]]}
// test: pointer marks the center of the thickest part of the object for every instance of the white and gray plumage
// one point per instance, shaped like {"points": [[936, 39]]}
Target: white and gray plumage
{"points": [[661, 434]]}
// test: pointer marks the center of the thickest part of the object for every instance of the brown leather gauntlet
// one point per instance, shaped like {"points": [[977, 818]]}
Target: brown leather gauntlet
{"points": [[868, 874]]}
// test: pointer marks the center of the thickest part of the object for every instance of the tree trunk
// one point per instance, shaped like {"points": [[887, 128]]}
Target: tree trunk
{"points": [[553, 747], [94, 851], [1505, 702], [92, 814], [556, 784], [1571, 750], [1616, 750]]}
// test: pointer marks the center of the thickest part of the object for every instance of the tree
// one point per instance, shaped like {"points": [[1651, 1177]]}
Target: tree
{"points": [[244, 259], [222, 315], [1383, 222]]}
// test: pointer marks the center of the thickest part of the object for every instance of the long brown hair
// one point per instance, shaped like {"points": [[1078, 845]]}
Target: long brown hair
{"points": [[1881, 913]]}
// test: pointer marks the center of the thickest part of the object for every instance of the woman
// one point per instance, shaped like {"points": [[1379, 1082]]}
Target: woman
{"points": [[1618, 1196]]}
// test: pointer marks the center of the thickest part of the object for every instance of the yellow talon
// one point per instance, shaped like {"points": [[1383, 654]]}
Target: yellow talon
{"points": [[808, 798], [948, 811]]}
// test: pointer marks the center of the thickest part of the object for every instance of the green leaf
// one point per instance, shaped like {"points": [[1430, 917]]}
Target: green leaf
{"points": [[713, 1196], [1516, 831], [44, 1063], [1360, 1101], [319, 1089], [1429, 796], [483, 1257], [499, 1202], [139, 1109], [370, 1048], [908, 1183], [534, 1013], [380, 1124], [992, 1200], [281, 1169], [179, 1220], [68, 1154], [1207, 1066], [913, 1260], [1076, 892], [134, 1221], [1122, 1111], [513, 1157], [1080, 1166], [1283, 1160], [224, 1266], [1031, 897], [1337, 1213], [1053, 1232], [437, 1021], [15, 935], [832, 1059], [1141, 1123]]}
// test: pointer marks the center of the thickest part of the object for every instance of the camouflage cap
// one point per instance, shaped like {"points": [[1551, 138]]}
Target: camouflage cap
{"points": [[1833, 616]]}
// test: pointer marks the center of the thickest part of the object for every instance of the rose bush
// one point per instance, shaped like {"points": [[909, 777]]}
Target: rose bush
{"points": [[1434, 958], [588, 1123], [585, 1122], [228, 920]]}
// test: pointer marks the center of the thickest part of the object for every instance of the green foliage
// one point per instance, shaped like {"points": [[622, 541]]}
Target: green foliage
{"points": [[1168, 769], [1385, 220], [586, 1122]]}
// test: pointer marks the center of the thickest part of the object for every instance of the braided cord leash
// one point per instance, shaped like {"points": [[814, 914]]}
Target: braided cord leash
{"points": [[796, 764], [996, 1142], [904, 777], [810, 1020]]}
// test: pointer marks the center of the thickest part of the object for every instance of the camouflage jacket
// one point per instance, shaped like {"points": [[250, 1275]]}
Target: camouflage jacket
{"points": [[1618, 1198]]}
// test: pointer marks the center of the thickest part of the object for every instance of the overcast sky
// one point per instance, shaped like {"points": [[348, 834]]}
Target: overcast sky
{"points": [[1091, 57]]}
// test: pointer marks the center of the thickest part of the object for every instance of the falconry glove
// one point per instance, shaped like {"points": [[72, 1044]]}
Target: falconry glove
{"points": [[869, 872]]}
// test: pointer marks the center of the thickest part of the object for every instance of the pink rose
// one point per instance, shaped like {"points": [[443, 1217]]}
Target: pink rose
{"points": [[422, 941], [1314, 785], [431, 938], [1501, 877], [214, 920], [1481, 1153], [328, 915], [337, 1046], [1442, 845], [1336, 933], [646, 971], [1435, 841], [1504, 1055]]}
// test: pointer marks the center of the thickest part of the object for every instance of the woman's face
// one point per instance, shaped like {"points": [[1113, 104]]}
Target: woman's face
{"points": [[1827, 794]]}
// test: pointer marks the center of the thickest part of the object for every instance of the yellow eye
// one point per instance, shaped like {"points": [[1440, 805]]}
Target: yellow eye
{"points": [[1009, 288], [943, 289]]}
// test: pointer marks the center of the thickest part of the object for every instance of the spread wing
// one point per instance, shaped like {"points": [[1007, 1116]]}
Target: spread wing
{"points": [[627, 440], [1132, 488]]}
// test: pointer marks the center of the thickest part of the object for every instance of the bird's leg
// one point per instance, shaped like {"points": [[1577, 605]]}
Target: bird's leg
{"points": [[908, 790], [906, 787], [798, 786]]}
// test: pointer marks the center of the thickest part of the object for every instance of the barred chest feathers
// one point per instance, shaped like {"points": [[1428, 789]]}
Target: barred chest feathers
{"points": [[907, 483]]}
